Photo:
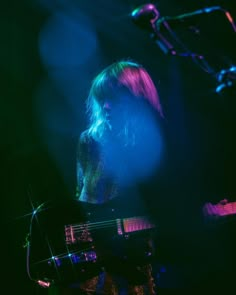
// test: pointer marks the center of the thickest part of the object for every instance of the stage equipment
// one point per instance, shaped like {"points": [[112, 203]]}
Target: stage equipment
{"points": [[162, 30]]}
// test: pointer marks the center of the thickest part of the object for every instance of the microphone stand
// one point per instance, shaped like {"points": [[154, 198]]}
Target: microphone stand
{"points": [[148, 17]]}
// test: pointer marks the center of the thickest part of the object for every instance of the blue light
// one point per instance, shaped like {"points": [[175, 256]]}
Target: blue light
{"points": [[134, 151], [66, 41]]}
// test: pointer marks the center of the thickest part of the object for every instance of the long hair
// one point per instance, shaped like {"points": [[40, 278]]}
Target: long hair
{"points": [[124, 76]]}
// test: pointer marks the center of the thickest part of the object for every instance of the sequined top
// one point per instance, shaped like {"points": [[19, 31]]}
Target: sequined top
{"points": [[99, 185], [94, 184]]}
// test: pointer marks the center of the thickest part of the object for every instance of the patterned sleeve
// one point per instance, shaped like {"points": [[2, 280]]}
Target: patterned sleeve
{"points": [[81, 160]]}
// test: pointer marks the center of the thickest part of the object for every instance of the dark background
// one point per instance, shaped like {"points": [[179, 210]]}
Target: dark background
{"points": [[42, 113]]}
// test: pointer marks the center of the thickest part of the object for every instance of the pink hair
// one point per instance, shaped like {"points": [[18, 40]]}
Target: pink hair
{"points": [[139, 83]]}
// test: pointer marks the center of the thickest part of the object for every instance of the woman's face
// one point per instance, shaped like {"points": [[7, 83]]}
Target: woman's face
{"points": [[115, 113]]}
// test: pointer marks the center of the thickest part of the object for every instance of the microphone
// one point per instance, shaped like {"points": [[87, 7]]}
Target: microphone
{"points": [[145, 17]]}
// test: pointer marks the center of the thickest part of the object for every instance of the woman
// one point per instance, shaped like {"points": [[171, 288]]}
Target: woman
{"points": [[120, 149]]}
